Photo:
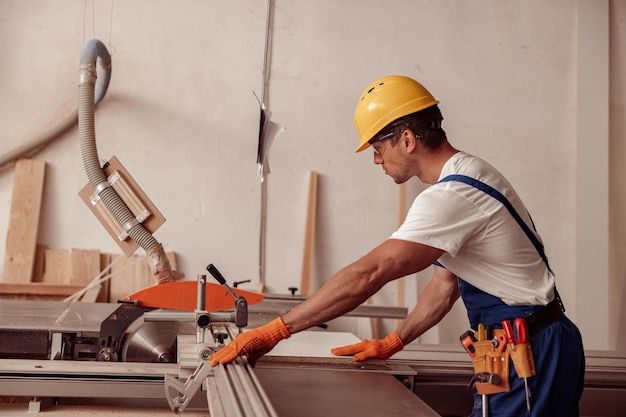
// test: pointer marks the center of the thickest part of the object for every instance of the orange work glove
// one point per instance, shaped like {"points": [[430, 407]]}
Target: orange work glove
{"points": [[375, 348], [253, 343]]}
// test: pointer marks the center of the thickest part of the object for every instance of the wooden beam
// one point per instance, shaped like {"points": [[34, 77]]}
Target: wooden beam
{"points": [[40, 263], [103, 295], [38, 289], [85, 265], [57, 267], [21, 243], [309, 236], [401, 282]]}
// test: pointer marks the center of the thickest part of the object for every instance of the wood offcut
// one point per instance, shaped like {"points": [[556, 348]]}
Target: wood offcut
{"points": [[21, 243]]}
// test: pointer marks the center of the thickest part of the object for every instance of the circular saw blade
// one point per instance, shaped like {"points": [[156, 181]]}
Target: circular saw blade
{"points": [[154, 341]]}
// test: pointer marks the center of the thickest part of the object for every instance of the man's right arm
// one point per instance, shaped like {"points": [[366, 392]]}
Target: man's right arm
{"points": [[433, 304]]}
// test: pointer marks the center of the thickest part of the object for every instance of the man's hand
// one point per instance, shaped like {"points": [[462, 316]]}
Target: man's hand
{"points": [[253, 343], [367, 349]]}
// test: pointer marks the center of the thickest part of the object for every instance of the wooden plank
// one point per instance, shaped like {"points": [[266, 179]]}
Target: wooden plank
{"points": [[103, 295], [85, 262], [85, 265], [74, 266], [37, 289], [309, 235], [401, 282], [40, 263], [21, 242], [57, 267], [373, 321], [131, 274]]}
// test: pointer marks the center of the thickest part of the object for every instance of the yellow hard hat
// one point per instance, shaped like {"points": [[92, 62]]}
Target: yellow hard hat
{"points": [[385, 100]]}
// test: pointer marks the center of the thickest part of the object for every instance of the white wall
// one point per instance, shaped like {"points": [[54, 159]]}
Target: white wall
{"points": [[181, 116], [617, 174]]}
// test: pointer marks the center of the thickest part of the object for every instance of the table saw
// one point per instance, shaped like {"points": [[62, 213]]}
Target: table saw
{"points": [[131, 353]]}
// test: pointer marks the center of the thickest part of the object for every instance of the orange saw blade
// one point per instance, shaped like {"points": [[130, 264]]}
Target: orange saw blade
{"points": [[181, 295]]}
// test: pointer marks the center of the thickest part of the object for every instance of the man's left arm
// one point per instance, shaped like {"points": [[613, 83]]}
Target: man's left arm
{"points": [[434, 303]]}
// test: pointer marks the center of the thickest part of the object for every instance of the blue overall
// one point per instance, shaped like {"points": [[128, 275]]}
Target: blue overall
{"points": [[557, 350]]}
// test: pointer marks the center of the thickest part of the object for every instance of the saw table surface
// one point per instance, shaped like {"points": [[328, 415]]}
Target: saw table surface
{"points": [[311, 392], [301, 377]]}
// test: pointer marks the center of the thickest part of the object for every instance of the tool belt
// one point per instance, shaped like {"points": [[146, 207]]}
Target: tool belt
{"points": [[492, 365], [490, 355]]}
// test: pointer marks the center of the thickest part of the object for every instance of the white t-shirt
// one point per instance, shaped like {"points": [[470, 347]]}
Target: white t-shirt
{"points": [[483, 243]]}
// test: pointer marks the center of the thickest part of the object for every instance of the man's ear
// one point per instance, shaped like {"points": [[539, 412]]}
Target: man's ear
{"points": [[409, 140]]}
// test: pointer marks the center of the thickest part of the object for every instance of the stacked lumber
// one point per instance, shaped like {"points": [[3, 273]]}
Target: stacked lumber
{"points": [[64, 273], [57, 274]]}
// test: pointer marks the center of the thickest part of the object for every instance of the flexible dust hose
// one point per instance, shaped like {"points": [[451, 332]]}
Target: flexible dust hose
{"points": [[157, 259]]}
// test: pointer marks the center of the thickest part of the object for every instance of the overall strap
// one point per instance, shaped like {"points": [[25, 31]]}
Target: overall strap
{"points": [[506, 203]]}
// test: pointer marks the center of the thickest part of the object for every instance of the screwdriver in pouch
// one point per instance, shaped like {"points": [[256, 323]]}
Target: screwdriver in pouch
{"points": [[521, 330], [481, 332], [508, 333]]}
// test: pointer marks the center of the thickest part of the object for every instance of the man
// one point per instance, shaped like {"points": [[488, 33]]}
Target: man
{"points": [[471, 224]]}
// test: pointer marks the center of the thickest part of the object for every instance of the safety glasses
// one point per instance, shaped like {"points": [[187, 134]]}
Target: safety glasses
{"points": [[387, 136], [379, 152]]}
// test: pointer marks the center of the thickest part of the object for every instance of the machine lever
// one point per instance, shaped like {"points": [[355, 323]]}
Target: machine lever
{"points": [[219, 278], [241, 304], [237, 283]]}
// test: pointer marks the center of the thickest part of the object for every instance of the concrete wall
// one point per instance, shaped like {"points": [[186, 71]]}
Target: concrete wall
{"points": [[181, 116]]}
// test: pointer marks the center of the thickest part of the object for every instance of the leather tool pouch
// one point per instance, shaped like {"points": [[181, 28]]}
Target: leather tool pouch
{"points": [[490, 362], [523, 361]]}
